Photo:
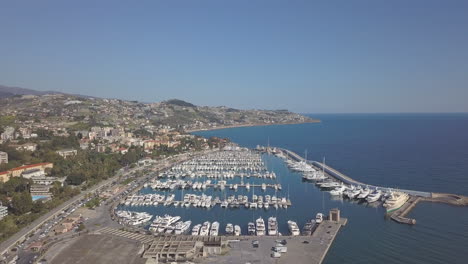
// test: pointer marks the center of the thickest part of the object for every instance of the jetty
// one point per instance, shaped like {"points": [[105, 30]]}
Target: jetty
{"points": [[398, 215]]}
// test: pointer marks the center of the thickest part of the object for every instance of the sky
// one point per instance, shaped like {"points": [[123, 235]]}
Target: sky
{"points": [[306, 56]]}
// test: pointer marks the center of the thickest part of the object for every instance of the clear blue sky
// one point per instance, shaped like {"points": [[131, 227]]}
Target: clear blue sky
{"points": [[306, 56]]}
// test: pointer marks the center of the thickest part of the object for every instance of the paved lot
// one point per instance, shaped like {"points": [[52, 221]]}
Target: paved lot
{"points": [[311, 252], [99, 249]]}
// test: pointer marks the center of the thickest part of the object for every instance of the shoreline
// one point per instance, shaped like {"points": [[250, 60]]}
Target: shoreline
{"points": [[251, 125]]}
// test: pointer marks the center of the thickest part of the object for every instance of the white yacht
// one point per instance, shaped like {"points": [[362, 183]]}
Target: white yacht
{"points": [[338, 191], [395, 201], [319, 218], [205, 229], [293, 228], [364, 193], [182, 227], [374, 197], [229, 229], [196, 230], [272, 226], [260, 225], [251, 228], [237, 230], [353, 193], [214, 229]]}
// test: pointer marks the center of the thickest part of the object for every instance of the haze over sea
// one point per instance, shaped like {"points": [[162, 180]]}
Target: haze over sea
{"points": [[426, 152]]}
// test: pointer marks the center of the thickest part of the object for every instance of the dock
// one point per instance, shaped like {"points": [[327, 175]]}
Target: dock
{"points": [[313, 251], [400, 214]]}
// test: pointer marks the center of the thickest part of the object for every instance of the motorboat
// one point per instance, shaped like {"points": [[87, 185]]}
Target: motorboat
{"points": [[196, 230], [293, 228], [319, 218], [260, 225], [237, 230], [214, 230], [272, 226], [229, 229]]}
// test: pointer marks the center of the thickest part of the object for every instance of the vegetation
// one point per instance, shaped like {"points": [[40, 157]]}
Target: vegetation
{"points": [[93, 203], [22, 209]]}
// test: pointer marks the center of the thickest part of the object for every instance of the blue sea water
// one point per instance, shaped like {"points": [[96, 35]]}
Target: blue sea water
{"points": [[426, 152]]}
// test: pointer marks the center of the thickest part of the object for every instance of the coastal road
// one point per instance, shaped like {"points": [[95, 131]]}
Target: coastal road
{"points": [[21, 235]]}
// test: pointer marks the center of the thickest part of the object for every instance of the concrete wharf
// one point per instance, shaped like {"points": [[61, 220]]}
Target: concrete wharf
{"points": [[313, 251]]}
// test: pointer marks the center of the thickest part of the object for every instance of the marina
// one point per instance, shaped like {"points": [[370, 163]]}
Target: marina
{"points": [[183, 195]]}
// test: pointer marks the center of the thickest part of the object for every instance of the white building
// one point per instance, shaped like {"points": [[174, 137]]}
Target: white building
{"points": [[3, 211], [65, 153], [3, 157], [8, 134]]}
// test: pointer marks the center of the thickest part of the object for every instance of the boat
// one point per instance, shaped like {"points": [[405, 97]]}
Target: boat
{"points": [[205, 229], [374, 197], [338, 191], [260, 225], [353, 193], [237, 230], [214, 229], [182, 227], [395, 201], [229, 229], [319, 218], [309, 228], [196, 230], [251, 228], [272, 226], [364, 193], [293, 228]]}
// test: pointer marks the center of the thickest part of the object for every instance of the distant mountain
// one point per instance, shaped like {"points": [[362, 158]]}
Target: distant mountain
{"points": [[179, 103], [9, 91]]}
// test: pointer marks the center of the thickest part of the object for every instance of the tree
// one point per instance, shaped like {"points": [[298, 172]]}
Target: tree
{"points": [[16, 185], [81, 227], [21, 203]]}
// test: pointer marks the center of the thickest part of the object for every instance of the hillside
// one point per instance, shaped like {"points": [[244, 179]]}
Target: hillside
{"points": [[72, 111]]}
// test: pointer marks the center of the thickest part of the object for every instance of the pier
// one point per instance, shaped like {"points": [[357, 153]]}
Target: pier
{"points": [[400, 214]]}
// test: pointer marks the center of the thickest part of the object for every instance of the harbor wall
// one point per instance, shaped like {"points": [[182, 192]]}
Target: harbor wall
{"points": [[346, 179]]}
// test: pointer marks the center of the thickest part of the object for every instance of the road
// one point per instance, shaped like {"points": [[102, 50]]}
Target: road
{"points": [[19, 236], [8, 244]]}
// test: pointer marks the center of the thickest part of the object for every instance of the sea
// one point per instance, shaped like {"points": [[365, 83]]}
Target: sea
{"points": [[424, 152]]}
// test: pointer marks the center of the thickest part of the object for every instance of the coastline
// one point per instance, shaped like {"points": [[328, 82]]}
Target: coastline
{"points": [[251, 125]]}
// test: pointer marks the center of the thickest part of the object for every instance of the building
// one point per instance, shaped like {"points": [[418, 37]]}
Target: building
{"points": [[40, 191], [3, 211], [4, 176], [101, 148], [44, 180], [166, 249], [65, 153], [334, 215], [8, 134], [28, 174], [16, 172], [68, 224], [3, 157], [26, 146]]}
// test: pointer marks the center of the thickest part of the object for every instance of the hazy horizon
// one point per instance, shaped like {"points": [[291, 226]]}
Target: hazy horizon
{"points": [[341, 57]]}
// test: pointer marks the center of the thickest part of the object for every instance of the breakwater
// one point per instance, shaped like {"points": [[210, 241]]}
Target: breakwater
{"points": [[398, 215]]}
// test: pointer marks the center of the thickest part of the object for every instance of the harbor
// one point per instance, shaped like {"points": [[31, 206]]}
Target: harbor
{"points": [[253, 202]]}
